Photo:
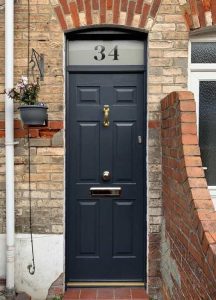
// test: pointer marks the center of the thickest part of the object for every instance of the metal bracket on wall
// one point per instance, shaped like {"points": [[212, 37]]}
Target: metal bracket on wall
{"points": [[37, 59]]}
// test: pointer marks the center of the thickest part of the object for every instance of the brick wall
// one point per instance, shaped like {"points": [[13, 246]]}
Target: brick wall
{"points": [[189, 241], [199, 13], [47, 151], [167, 71]]}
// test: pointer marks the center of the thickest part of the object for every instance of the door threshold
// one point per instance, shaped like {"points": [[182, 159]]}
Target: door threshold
{"points": [[106, 283]]}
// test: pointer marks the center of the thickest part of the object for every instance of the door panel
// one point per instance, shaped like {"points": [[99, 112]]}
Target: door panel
{"points": [[88, 155], [87, 238], [105, 236], [88, 95], [123, 220], [123, 153], [125, 95]]}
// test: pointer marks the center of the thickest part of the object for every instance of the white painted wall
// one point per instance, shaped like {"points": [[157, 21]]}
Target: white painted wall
{"points": [[49, 262]]}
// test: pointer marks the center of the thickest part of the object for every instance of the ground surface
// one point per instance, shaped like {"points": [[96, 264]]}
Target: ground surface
{"points": [[106, 294]]}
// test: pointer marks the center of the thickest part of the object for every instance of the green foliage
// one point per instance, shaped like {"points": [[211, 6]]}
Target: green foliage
{"points": [[58, 297]]}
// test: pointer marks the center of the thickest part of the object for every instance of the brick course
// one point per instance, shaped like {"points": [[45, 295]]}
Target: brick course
{"points": [[190, 219], [21, 131]]}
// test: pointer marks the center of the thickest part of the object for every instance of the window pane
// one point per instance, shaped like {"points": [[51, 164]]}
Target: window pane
{"points": [[207, 128], [203, 52], [103, 53]]}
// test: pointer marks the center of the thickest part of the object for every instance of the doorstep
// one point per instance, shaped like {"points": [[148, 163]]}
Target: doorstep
{"points": [[106, 293]]}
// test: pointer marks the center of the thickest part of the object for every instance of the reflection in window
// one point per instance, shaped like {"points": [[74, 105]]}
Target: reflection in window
{"points": [[203, 52], [207, 128]]}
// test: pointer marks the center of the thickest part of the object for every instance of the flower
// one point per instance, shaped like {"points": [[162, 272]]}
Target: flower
{"points": [[24, 92], [25, 79]]}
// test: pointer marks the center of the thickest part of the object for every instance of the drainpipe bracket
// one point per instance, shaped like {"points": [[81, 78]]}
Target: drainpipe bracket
{"points": [[11, 144]]}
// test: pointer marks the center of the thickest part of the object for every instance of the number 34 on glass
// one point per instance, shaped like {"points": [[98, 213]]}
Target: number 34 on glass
{"points": [[101, 53]]}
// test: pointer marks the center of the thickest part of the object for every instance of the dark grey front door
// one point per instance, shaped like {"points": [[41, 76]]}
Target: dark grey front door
{"points": [[106, 234]]}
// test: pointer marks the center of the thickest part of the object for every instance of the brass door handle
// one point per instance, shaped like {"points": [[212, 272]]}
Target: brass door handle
{"points": [[106, 110]]}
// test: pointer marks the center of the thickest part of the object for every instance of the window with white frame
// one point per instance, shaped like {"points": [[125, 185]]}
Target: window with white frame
{"points": [[202, 82]]}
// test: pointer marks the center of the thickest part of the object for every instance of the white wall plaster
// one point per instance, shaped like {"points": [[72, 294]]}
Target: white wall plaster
{"points": [[49, 261]]}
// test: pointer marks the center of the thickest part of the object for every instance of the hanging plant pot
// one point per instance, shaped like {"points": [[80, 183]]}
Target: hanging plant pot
{"points": [[33, 114]]}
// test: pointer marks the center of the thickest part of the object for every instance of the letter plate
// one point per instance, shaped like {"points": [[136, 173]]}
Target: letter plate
{"points": [[105, 191]]}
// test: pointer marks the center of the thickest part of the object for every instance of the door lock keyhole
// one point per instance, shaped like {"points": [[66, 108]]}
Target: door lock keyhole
{"points": [[106, 176]]}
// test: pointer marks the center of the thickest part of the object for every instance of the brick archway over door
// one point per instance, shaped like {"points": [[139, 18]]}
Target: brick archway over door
{"points": [[135, 14]]}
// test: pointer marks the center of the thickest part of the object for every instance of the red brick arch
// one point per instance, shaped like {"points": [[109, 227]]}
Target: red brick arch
{"points": [[132, 13], [135, 14], [199, 13]]}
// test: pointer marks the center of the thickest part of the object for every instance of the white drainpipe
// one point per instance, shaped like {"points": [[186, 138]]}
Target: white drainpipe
{"points": [[9, 147]]}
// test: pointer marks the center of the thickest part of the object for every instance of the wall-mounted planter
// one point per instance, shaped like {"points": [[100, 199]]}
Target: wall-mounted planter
{"points": [[33, 114]]}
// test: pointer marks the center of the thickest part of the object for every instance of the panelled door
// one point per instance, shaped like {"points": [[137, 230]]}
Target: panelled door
{"points": [[105, 239]]}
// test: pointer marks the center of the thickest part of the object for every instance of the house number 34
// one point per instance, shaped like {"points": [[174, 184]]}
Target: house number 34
{"points": [[102, 52]]}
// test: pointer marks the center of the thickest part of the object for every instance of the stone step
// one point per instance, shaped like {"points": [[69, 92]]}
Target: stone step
{"points": [[106, 293]]}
